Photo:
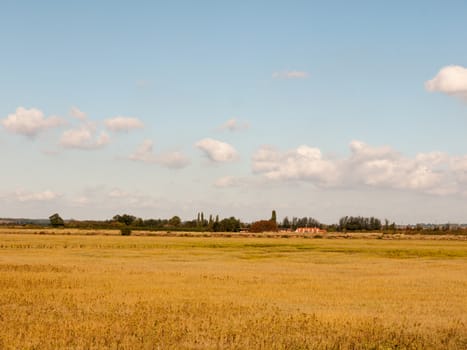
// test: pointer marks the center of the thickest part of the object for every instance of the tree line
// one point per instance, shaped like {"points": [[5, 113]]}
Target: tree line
{"points": [[212, 223]]}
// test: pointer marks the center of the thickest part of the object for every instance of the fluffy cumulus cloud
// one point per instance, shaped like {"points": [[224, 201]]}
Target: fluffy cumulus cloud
{"points": [[30, 122], [234, 125], [145, 153], [379, 167], [119, 124], [451, 80], [291, 74], [78, 114], [217, 151], [84, 137], [304, 163], [384, 167]]}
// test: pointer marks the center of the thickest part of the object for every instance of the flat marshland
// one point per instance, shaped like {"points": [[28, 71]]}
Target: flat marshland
{"points": [[113, 292]]}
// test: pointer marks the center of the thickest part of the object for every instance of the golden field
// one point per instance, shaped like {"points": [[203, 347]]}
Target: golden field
{"points": [[113, 292]]}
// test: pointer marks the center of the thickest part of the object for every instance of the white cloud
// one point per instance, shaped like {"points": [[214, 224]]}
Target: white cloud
{"points": [[84, 137], [120, 123], [304, 163], [26, 196], [384, 167], [291, 74], [145, 153], [379, 167], [451, 80], [30, 122], [217, 151], [234, 125], [75, 112]]}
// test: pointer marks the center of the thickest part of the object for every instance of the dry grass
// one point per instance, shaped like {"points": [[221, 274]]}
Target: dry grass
{"points": [[93, 292], [66, 231]]}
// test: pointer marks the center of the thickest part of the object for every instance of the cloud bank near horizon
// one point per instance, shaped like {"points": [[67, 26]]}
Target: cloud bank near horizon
{"points": [[435, 173]]}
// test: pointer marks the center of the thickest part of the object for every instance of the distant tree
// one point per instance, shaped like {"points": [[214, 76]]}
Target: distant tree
{"points": [[138, 222], [359, 223], [125, 219], [263, 226], [286, 223], [311, 222], [274, 216], [56, 220], [153, 223], [304, 222], [227, 225], [175, 221], [125, 231], [294, 223], [190, 224], [211, 223]]}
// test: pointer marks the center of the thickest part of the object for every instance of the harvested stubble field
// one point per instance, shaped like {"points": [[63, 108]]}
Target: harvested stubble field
{"points": [[111, 292]]}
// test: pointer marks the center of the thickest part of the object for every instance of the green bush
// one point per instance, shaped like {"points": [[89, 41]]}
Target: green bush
{"points": [[263, 226], [125, 231]]}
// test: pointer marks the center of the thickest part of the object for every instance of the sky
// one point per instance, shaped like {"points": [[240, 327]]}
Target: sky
{"points": [[163, 108]]}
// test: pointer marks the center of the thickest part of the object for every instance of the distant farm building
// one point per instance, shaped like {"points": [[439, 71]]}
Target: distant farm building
{"points": [[309, 230]]}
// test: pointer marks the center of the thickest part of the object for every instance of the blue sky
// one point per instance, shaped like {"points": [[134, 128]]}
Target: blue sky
{"points": [[311, 108]]}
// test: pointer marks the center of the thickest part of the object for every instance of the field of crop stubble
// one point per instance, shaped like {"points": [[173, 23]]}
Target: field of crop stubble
{"points": [[112, 292]]}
